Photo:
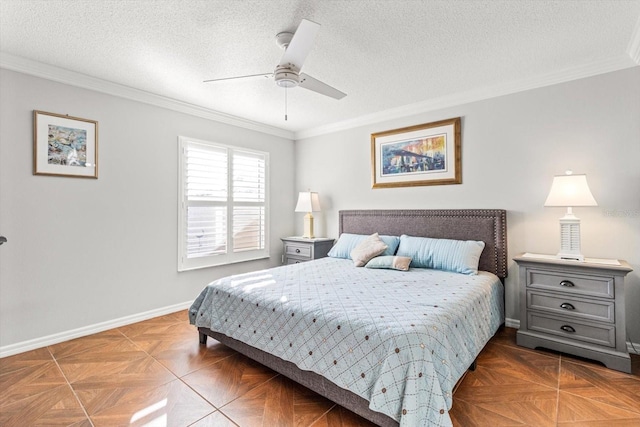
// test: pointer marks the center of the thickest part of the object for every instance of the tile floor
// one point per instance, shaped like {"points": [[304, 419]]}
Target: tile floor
{"points": [[156, 373]]}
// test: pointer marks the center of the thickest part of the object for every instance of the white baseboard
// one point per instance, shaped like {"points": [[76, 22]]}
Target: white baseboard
{"points": [[21, 347], [512, 323]]}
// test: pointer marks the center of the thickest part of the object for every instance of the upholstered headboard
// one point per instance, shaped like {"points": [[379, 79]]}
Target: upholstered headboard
{"points": [[488, 225]]}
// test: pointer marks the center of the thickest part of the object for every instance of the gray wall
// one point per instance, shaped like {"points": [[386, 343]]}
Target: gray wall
{"points": [[83, 252], [512, 146], [88, 252]]}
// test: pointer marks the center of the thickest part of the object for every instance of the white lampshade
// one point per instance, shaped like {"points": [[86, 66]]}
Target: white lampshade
{"points": [[570, 190], [308, 201]]}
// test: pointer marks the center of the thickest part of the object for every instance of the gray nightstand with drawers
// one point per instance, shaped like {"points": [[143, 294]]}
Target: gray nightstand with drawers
{"points": [[574, 307], [299, 249]]}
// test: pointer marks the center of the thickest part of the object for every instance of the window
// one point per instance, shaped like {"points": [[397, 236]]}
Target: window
{"points": [[223, 204]]}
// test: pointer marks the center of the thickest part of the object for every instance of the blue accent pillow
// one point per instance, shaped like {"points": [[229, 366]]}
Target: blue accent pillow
{"points": [[347, 242], [461, 256]]}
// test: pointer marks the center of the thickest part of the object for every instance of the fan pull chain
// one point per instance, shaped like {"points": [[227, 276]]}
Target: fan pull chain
{"points": [[285, 103]]}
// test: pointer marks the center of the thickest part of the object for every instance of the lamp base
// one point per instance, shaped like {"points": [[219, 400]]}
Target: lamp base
{"points": [[570, 257], [308, 227], [570, 238]]}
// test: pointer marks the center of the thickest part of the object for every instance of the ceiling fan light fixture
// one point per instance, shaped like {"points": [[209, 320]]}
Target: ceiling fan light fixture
{"points": [[285, 77]]}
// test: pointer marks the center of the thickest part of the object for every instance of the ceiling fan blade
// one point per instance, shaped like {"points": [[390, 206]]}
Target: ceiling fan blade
{"points": [[238, 77], [315, 85], [300, 44]]}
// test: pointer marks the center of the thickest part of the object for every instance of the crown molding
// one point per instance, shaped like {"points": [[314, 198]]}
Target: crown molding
{"points": [[634, 44], [566, 75], [72, 78], [26, 66]]}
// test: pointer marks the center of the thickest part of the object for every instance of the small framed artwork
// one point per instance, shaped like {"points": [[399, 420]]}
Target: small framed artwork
{"points": [[64, 145], [427, 154]]}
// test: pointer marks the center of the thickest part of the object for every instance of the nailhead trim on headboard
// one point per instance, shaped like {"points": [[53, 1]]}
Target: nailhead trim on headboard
{"points": [[488, 225]]}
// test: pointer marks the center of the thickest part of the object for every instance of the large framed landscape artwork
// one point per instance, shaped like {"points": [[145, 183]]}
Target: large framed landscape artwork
{"points": [[426, 154]]}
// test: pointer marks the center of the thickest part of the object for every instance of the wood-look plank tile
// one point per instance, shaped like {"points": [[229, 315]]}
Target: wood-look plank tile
{"points": [[226, 380], [341, 417], [601, 384], [114, 371], [278, 402], [581, 411], [180, 316], [56, 406], [27, 359], [217, 419], [478, 403], [154, 325], [535, 412], [117, 374], [148, 335], [29, 381], [511, 386], [177, 347], [90, 343], [505, 336], [171, 404], [607, 423], [516, 362], [635, 363]]}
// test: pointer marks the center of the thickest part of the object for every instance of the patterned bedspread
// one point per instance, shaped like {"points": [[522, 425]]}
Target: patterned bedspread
{"points": [[401, 340]]}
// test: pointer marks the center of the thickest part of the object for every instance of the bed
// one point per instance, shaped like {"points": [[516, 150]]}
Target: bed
{"points": [[388, 345]]}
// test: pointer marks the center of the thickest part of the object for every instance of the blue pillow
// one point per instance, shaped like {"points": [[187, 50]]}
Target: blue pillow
{"points": [[461, 256], [347, 242]]}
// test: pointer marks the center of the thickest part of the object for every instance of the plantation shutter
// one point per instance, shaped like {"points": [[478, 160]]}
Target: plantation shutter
{"points": [[249, 190], [223, 212], [207, 195]]}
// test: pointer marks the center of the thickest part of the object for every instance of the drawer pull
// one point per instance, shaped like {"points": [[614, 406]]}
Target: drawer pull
{"points": [[297, 251], [567, 306], [567, 283], [567, 328]]}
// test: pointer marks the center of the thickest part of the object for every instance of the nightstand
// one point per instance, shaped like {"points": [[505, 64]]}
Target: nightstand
{"points": [[299, 249], [574, 307]]}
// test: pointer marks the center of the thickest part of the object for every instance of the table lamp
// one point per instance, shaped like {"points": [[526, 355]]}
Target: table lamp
{"points": [[308, 202], [570, 190]]}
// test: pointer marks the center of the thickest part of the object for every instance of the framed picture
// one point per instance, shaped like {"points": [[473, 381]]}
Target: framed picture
{"points": [[64, 145], [427, 154]]}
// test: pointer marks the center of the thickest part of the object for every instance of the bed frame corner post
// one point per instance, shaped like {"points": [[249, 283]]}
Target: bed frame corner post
{"points": [[203, 338]]}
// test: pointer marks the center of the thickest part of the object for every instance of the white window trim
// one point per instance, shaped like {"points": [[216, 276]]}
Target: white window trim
{"points": [[186, 264]]}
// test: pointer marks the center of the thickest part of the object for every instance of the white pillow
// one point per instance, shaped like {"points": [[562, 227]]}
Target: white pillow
{"points": [[390, 262], [370, 247]]}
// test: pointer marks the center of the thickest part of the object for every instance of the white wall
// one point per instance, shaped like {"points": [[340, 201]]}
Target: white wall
{"points": [[511, 148], [81, 251]]}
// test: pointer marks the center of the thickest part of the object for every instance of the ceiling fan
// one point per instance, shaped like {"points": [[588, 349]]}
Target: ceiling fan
{"points": [[287, 73]]}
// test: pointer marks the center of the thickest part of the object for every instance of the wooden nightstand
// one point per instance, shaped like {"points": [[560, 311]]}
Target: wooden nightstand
{"points": [[299, 249], [574, 307]]}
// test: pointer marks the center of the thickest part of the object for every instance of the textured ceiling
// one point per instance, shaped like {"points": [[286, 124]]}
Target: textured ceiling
{"points": [[384, 54]]}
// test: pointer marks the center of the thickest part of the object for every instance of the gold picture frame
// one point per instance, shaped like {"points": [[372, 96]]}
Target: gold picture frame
{"points": [[426, 154], [64, 145]]}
